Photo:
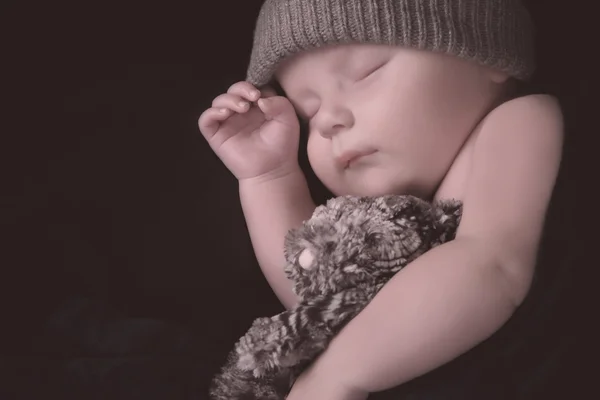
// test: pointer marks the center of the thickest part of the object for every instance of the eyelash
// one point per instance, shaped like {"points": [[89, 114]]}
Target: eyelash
{"points": [[307, 118], [371, 72]]}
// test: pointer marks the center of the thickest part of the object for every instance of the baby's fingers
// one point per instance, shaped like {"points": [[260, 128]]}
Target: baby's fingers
{"points": [[249, 92], [279, 109], [233, 102], [245, 90], [210, 120]]}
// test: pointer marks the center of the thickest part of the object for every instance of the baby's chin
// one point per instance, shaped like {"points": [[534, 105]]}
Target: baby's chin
{"points": [[374, 185]]}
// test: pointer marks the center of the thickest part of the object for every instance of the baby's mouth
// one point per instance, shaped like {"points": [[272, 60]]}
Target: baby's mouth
{"points": [[349, 158]]}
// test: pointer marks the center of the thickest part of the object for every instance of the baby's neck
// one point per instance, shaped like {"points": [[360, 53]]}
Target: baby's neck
{"points": [[453, 185]]}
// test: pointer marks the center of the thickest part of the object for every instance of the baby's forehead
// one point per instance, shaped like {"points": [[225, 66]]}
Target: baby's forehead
{"points": [[332, 59], [335, 54]]}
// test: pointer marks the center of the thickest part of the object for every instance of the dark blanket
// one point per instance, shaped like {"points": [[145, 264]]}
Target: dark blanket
{"points": [[60, 344], [117, 181], [87, 350]]}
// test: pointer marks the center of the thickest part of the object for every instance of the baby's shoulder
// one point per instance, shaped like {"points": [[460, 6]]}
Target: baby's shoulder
{"points": [[525, 111], [530, 124], [524, 123]]}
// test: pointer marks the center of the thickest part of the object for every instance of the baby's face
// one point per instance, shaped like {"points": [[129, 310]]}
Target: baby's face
{"points": [[386, 120]]}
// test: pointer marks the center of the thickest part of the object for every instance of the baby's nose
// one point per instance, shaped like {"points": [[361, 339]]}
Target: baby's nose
{"points": [[329, 121]]}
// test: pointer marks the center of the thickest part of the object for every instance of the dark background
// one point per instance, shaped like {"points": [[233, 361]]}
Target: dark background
{"points": [[118, 214]]}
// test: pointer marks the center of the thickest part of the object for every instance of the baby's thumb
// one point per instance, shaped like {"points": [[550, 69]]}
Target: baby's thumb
{"points": [[278, 109]]}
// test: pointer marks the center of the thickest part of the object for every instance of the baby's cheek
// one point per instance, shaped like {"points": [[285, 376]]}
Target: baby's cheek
{"points": [[321, 161], [318, 149]]}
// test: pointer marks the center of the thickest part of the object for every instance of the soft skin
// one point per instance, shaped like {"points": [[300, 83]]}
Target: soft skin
{"points": [[425, 124]]}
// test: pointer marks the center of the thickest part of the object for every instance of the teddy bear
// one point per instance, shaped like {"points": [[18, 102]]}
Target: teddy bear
{"points": [[337, 260]]}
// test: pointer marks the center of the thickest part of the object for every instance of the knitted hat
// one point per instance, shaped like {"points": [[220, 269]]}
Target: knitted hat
{"points": [[495, 33]]}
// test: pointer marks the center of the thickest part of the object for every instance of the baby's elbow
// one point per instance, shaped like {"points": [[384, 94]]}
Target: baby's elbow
{"points": [[511, 268], [517, 275]]}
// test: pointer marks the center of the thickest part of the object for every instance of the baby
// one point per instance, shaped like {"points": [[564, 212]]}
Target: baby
{"points": [[400, 97]]}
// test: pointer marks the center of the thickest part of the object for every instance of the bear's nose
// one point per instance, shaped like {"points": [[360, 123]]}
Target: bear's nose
{"points": [[306, 259]]}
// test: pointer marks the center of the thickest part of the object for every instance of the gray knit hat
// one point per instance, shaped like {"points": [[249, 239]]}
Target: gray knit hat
{"points": [[495, 33]]}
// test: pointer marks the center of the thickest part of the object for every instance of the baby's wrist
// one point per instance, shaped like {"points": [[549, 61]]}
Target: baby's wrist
{"points": [[281, 174]]}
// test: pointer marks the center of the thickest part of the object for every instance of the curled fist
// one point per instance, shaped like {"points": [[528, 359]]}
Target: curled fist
{"points": [[254, 133]]}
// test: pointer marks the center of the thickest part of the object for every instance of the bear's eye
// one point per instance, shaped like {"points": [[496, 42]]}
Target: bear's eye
{"points": [[373, 238], [406, 223], [330, 247]]}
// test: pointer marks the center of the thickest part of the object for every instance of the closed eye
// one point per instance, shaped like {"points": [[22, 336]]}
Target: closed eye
{"points": [[371, 71]]}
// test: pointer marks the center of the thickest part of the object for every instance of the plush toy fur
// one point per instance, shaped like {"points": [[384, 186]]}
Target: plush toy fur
{"points": [[338, 260]]}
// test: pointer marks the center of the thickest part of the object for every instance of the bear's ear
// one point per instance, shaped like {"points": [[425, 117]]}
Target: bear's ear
{"points": [[394, 203], [342, 203], [449, 211], [448, 214], [335, 208], [320, 211], [402, 205]]}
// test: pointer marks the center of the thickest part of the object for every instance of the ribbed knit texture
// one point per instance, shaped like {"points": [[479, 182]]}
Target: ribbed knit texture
{"points": [[496, 33]]}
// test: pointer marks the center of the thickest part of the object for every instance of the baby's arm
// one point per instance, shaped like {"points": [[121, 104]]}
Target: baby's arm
{"points": [[259, 145], [273, 205], [458, 294]]}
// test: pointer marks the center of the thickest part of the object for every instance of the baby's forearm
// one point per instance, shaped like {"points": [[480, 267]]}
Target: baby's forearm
{"points": [[271, 208], [440, 306]]}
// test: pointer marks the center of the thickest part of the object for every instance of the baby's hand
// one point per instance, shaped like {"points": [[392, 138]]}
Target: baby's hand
{"points": [[255, 134]]}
